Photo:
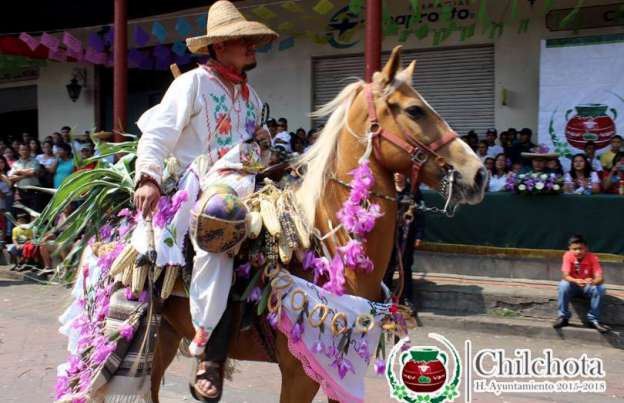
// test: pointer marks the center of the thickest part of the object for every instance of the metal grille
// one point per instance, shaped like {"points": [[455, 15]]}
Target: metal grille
{"points": [[457, 82]]}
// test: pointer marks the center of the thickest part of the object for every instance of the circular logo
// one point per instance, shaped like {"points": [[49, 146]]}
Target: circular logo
{"points": [[341, 29]]}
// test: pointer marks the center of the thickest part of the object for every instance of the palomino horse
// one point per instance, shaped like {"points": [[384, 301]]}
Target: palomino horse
{"points": [[401, 117]]}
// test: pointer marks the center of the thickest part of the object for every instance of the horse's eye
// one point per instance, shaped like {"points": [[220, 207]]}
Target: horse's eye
{"points": [[415, 112]]}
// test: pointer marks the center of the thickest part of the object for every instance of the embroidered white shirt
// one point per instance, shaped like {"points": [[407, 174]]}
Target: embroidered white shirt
{"points": [[197, 115]]}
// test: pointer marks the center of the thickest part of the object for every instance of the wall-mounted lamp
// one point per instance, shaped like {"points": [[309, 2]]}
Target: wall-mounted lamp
{"points": [[75, 87]]}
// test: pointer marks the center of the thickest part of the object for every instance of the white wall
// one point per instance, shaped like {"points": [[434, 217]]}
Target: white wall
{"points": [[284, 78], [56, 108]]}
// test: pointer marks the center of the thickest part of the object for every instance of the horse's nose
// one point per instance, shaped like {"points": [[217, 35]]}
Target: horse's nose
{"points": [[480, 179]]}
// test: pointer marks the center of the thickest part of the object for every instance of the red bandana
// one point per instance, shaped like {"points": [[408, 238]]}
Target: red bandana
{"points": [[232, 76]]}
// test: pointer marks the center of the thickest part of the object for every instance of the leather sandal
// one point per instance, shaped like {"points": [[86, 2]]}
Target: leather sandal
{"points": [[212, 372]]}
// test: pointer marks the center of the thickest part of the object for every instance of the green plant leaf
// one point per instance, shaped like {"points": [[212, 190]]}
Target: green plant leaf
{"points": [[514, 10], [264, 299], [569, 19], [251, 285]]}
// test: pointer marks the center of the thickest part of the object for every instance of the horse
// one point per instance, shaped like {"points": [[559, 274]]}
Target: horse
{"points": [[416, 139]]}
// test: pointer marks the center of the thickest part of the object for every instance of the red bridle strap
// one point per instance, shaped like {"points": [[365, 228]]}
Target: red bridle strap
{"points": [[418, 151]]}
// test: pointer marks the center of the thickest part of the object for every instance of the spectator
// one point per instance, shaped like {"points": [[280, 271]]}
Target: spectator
{"points": [[506, 143], [3, 146], [35, 147], [410, 235], [607, 157], [554, 165], [25, 172], [473, 140], [493, 148], [513, 135], [272, 126], [47, 159], [489, 164], [21, 234], [26, 137], [613, 181], [524, 145], [64, 165], [6, 197], [66, 134], [581, 179], [482, 150], [48, 248], [590, 152], [313, 136], [86, 153], [298, 141], [15, 144], [57, 140], [9, 156], [538, 158], [282, 138], [516, 167], [498, 177], [582, 276]]}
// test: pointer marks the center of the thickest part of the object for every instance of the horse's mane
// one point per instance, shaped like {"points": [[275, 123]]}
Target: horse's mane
{"points": [[320, 159]]}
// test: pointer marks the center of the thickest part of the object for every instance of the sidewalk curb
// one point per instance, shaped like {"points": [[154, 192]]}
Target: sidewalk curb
{"points": [[520, 327]]}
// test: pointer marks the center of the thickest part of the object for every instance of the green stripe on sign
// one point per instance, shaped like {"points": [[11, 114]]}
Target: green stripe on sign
{"points": [[584, 40]]}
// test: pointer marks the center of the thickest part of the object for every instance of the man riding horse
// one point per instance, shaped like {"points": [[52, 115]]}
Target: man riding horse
{"points": [[208, 111]]}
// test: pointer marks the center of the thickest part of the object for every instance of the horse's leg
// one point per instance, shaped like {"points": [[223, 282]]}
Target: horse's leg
{"points": [[166, 349], [297, 387]]}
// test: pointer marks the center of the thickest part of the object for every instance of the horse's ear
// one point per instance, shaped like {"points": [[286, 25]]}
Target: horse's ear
{"points": [[408, 73], [391, 68]]}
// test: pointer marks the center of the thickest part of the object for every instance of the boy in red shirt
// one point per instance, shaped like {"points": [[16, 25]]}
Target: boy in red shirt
{"points": [[582, 276]]}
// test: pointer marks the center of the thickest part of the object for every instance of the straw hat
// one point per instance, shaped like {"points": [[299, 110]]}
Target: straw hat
{"points": [[224, 23]]}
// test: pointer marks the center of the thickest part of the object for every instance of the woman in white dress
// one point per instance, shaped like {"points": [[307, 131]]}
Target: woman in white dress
{"points": [[498, 176]]}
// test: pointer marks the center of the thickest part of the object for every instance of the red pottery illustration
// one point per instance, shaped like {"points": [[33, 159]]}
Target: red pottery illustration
{"points": [[424, 372], [591, 122]]}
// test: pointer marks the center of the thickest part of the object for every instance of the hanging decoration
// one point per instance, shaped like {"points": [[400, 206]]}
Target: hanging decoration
{"points": [[159, 31], [264, 12], [286, 43], [355, 6], [31, 42], [183, 27], [72, 43], [94, 41], [58, 55], [109, 36], [76, 55], [179, 48], [202, 22], [141, 38], [293, 7], [49, 41], [323, 7], [95, 57]]}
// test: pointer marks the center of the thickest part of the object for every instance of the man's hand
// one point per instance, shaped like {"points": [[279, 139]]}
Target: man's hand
{"points": [[417, 243], [146, 198]]}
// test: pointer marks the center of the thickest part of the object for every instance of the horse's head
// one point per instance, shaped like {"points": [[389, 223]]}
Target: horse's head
{"points": [[410, 137]]}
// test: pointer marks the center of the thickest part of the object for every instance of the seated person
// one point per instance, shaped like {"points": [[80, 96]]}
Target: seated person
{"points": [[582, 276], [539, 157], [498, 176], [581, 179], [613, 179], [21, 234]]}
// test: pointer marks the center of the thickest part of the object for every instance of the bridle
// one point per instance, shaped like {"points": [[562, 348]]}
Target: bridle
{"points": [[418, 151]]}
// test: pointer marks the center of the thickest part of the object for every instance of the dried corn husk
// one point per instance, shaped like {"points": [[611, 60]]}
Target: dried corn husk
{"points": [[171, 274], [285, 251], [269, 217], [157, 272], [139, 275], [254, 224], [126, 258], [126, 279]]}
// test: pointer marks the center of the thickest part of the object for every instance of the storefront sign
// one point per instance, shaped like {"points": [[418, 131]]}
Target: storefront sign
{"points": [[609, 15]]}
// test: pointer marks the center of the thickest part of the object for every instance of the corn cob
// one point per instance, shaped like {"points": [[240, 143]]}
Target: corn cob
{"points": [[126, 280], [302, 232], [125, 259], [284, 249], [269, 217], [171, 274], [254, 224], [271, 248], [157, 272], [139, 275]]}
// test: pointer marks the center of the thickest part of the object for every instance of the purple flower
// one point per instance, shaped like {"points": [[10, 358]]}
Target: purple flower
{"points": [[128, 294], [106, 261], [250, 127], [176, 202], [162, 212], [336, 281], [144, 297], [243, 270], [102, 352], [123, 230], [354, 256], [105, 232], [343, 365], [331, 351], [61, 387], [296, 331], [126, 331], [273, 319], [318, 347], [405, 347], [124, 212], [380, 366], [308, 259], [321, 266], [254, 295], [362, 349], [362, 176]]}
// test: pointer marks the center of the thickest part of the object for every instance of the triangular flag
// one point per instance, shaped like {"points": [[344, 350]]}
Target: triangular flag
{"points": [[183, 27], [292, 7], [59, 55], [162, 51], [323, 7], [264, 12], [202, 21], [109, 36], [287, 43], [76, 55], [95, 42], [95, 57], [136, 57], [31, 42], [355, 6], [141, 38], [49, 41], [72, 42], [179, 48], [159, 31]]}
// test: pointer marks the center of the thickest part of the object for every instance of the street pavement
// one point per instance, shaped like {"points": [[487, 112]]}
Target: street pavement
{"points": [[31, 348]]}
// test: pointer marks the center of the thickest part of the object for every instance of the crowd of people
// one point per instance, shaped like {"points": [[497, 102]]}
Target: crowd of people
{"points": [[513, 152]]}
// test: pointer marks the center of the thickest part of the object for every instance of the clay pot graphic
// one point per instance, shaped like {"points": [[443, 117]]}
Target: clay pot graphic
{"points": [[591, 122], [422, 370]]}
